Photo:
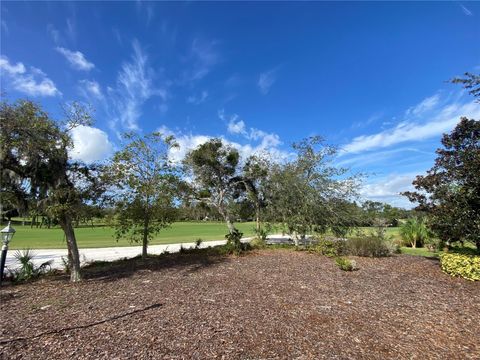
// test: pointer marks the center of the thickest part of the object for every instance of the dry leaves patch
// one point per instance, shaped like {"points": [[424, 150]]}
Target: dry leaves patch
{"points": [[266, 305]]}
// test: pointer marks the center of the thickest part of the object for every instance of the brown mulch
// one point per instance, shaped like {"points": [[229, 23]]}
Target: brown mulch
{"points": [[272, 304]]}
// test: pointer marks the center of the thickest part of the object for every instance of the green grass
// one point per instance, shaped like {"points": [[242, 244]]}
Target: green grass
{"points": [[419, 252], [87, 237]]}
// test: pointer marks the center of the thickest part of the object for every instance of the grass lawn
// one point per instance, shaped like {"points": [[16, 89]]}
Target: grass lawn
{"points": [[88, 237], [419, 252]]}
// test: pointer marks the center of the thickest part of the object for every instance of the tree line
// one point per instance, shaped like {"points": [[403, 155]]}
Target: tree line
{"points": [[145, 190]]}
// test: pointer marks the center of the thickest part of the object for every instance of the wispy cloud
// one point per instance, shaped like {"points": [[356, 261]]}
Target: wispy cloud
{"points": [[266, 80], [90, 88], [198, 99], [76, 59], [203, 56], [33, 82], [4, 27], [54, 33], [433, 122], [134, 87], [466, 11], [424, 106], [236, 126]]}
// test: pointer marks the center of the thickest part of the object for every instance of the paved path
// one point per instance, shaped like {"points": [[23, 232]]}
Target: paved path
{"points": [[116, 253], [103, 254]]}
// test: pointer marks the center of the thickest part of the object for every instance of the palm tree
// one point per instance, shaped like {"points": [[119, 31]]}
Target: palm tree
{"points": [[414, 231]]}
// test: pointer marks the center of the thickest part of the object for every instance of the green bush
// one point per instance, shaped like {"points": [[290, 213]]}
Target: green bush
{"points": [[258, 243], [345, 264], [369, 246], [28, 270], [466, 266], [331, 247], [234, 245]]}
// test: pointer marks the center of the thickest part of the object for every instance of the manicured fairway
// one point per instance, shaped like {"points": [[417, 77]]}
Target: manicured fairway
{"points": [[88, 237]]}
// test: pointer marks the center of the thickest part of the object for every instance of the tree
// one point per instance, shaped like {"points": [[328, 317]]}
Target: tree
{"points": [[415, 232], [254, 178], [450, 192], [308, 194], [146, 186], [471, 82], [36, 170], [213, 166]]}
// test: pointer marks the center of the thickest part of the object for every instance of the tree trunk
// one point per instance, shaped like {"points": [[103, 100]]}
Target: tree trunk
{"points": [[257, 217], [145, 239], [73, 255]]}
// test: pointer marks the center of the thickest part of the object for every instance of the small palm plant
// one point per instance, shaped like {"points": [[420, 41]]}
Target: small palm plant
{"points": [[415, 232], [27, 269]]}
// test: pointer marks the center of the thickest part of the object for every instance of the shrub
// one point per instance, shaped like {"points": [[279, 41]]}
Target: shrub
{"points": [[370, 246], [331, 247], [466, 266], [198, 243], [28, 270], [345, 264], [258, 243], [234, 245], [414, 232]]}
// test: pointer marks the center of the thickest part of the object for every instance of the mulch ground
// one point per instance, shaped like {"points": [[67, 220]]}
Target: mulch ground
{"points": [[272, 304]]}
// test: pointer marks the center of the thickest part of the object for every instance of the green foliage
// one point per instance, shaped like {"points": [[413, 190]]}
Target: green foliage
{"points": [[234, 245], [213, 166], [262, 231], [145, 183], [450, 191], [36, 169], [369, 246], [198, 243], [309, 194], [345, 264], [258, 243], [466, 266], [28, 270], [331, 247], [414, 232]]}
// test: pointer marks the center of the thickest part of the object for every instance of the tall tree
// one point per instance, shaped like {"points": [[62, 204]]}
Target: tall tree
{"points": [[213, 166], [35, 167], [450, 191], [308, 194], [146, 183], [254, 178]]}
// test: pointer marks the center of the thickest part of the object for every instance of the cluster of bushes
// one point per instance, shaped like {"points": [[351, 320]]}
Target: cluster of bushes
{"points": [[466, 266], [27, 269], [368, 246]]}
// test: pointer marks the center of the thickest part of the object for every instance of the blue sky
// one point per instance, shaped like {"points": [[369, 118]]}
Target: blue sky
{"points": [[368, 77]]}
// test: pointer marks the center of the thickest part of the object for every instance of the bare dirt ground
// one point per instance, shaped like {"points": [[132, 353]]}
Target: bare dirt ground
{"points": [[272, 304]]}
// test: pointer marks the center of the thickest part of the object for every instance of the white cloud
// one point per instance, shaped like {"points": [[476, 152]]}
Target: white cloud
{"points": [[134, 87], [423, 107], [188, 142], [388, 189], [89, 144], [11, 69], [33, 82], [91, 88], [76, 59], [196, 100], [435, 122], [266, 80]]}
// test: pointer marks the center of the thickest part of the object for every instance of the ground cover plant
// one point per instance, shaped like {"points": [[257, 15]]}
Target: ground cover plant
{"points": [[267, 304]]}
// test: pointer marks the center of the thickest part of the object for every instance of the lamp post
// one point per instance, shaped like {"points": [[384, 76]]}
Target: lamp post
{"points": [[7, 235]]}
